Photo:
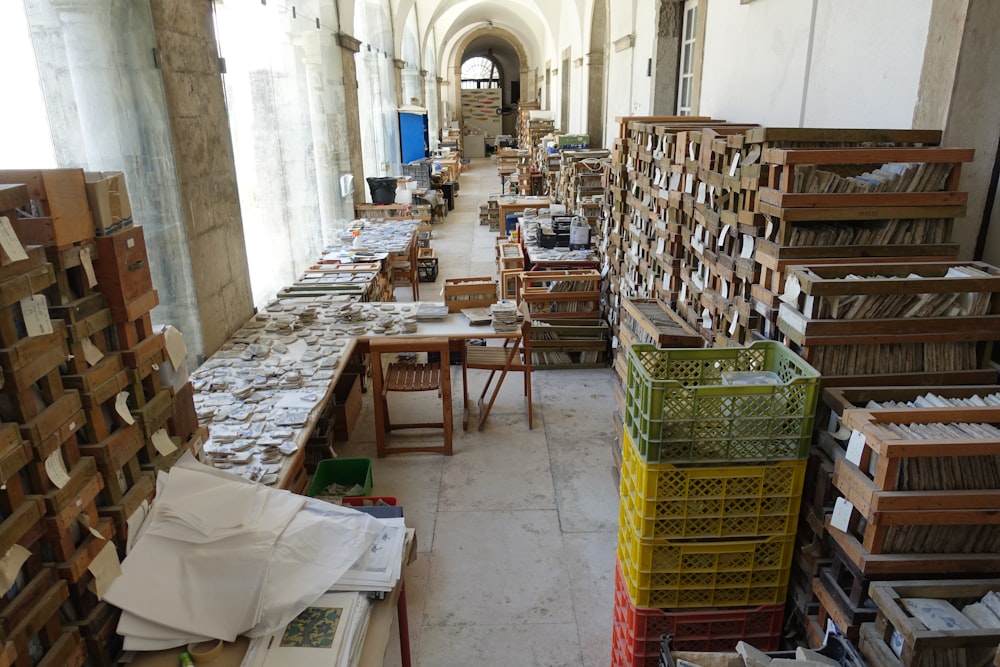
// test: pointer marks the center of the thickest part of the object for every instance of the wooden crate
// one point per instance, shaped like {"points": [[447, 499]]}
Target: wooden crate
{"points": [[109, 203], [117, 460], [922, 643], [573, 293], [60, 215], [462, 293], [33, 618], [122, 267], [569, 343]]}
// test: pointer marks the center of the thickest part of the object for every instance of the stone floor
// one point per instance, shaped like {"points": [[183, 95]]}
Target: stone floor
{"points": [[516, 531]]}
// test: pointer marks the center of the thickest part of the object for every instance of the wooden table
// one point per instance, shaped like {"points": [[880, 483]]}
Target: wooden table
{"points": [[376, 638], [507, 205], [534, 261]]}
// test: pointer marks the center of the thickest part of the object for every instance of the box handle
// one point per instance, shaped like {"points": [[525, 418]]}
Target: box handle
{"points": [[135, 266]]}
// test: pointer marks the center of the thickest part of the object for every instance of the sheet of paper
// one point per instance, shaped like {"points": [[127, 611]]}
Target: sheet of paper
{"points": [[856, 447], [735, 165], [176, 349], [11, 564], [746, 252], [723, 235], [661, 244], [106, 568], [164, 445], [91, 353], [9, 241], [841, 518], [121, 407], [689, 184], [702, 192], [133, 523], [56, 469], [706, 319], [35, 310], [792, 290], [87, 261]]}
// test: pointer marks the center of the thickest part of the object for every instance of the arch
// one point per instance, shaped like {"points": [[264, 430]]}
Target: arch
{"points": [[459, 52]]}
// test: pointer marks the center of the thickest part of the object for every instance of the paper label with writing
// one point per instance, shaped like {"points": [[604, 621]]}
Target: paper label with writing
{"points": [[85, 521], [675, 181], [735, 165], [87, 261], [792, 290], [121, 407], [841, 518], [702, 192], [35, 310], [706, 319], [106, 568], [689, 184], [11, 244], [164, 445], [856, 447], [91, 353], [723, 235], [746, 252], [56, 469], [11, 564]]}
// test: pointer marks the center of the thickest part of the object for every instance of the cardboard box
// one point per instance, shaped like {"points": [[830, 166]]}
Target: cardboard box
{"points": [[346, 405], [109, 204]]}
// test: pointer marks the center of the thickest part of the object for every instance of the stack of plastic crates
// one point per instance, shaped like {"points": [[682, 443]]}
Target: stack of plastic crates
{"points": [[713, 464]]}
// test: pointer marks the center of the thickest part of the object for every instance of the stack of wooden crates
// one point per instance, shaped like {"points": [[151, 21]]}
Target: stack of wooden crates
{"points": [[86, 419], [713, 464]]}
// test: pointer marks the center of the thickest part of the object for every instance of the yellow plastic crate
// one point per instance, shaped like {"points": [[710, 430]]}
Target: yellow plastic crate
{"points": [[682, 575], [661, 501]]}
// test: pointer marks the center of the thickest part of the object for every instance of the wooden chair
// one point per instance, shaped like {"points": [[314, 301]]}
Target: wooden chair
{"points": [[410, 377], [514, 356]]}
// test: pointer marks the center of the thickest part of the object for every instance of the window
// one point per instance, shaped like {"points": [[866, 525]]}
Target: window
{"points": [[480, 72], [686, 78]]}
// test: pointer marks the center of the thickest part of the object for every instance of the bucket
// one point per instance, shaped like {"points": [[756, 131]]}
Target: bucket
{"points": [[383, 190]]}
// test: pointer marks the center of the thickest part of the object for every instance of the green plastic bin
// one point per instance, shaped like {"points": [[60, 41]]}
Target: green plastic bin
{"points": [[679, 410], [348, 471]]}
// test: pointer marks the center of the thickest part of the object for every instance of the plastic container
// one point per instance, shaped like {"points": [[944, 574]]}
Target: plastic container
{"points": [[638, 630], [679, 410], [383, 190], [660, 501], [361, 501], [687, 574], [348, 471]]}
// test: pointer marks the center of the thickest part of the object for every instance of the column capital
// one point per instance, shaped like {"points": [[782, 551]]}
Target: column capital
{"points": [[348, 42]]}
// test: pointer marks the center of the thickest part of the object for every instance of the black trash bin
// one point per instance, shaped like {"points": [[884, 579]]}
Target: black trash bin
{"points": [[383, 190]]}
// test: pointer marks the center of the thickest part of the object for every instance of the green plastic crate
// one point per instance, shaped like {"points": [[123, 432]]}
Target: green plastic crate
{"points": [[347, 471], [678, 410]]}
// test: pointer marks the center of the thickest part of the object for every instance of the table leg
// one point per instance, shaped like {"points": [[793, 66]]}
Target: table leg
{"points": [[404, 626]]}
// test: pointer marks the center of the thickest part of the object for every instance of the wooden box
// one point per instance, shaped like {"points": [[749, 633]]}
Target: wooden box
{"points": [[462, 293], [60, 212], [109, 204], [122, 267], [912, 631], [346, 406]]}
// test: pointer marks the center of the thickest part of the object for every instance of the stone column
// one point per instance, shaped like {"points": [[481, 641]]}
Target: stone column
{"points": [[397, 70], [350, 47], [595, 98], [424, 102]]}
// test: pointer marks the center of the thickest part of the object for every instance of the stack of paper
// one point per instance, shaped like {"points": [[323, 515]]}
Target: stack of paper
{"points": [[378, 568], [219, 556]]}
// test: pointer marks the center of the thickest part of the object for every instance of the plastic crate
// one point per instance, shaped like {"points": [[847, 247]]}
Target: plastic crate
{"points": [[683, 575], [678, 409], [361, 501], [348, 471], [638, 629], [661, 501]]}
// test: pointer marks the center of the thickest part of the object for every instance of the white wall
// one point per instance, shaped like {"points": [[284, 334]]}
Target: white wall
{"points": [[860, 68]]}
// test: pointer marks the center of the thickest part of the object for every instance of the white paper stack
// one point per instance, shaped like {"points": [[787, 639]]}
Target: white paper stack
{"points": [[504, 314]]}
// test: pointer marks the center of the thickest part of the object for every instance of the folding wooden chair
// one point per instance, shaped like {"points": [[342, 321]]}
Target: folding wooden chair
{"points": [[514, 356], [410, 377]]}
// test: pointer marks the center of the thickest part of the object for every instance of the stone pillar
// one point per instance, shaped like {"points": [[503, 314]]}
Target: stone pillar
{"points": [[206, 173], [397, 70], [666, 59], [595, 98], [424, 102], [312, 44], [350, 47]]}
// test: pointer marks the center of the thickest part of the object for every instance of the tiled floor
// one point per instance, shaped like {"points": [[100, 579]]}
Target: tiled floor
{"points": [[516, 531]]}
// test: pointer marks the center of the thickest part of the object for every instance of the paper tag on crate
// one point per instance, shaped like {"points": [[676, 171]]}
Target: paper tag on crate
{"points": [[855, 447], [164, 445], [841, 518], [746, 252], [675, 181], [691, 150], [702, 192], [90, 352], [706, 319], [735, 165], [10, 565], [85, 522], [10, 243], [106, 568], [723, 235], [56, 469], [689, 184], [792, 290], [35, 310], [121, 407], [87, 261]]}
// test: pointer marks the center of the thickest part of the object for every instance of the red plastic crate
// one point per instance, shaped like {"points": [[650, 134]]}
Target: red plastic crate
{"points": [[359, 501], [637, 630]]}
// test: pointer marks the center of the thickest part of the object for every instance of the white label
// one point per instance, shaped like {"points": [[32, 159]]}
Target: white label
{"points": [[747, 251], [85, 522], [56, 469], [11, 564], [614, 342], [684, 291], [735, 165], [649, 143], [10, 243], [702, 192], [723, 235], [106, 568], [164, 445], [661, 245], [121, 407], [87, 260], [675, 181], [129, 243], [735, 323], [792, 290], [841, 518], [724, 289], [691, 150], [769, 229], [711, 197], [706, 319], [91, 353], [834, 422], [133, 523], [657, 175], [689, 184], [856, 447], [35, 310]]}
